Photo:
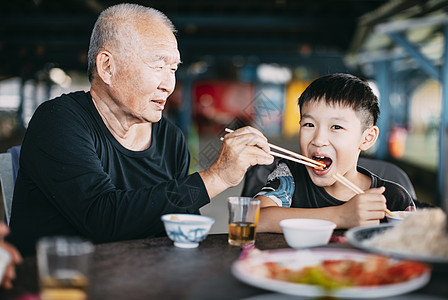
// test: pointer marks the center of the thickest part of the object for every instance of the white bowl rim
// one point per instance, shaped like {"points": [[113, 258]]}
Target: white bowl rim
{"points": [[319, 224], [204, 220]]}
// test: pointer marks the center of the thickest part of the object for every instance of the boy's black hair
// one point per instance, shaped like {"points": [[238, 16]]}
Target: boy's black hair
{"points": [[346, 90]]}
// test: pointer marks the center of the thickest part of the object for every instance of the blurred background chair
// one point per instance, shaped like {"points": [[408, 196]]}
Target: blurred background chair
{"points": [[256, 177], [388, 171], [9, 167], [7, 184], [15, 154]]}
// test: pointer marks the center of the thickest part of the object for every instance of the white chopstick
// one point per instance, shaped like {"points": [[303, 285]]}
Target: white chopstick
{"points": [[355, 189], [301, 159], [294, 159], [348, 183]]}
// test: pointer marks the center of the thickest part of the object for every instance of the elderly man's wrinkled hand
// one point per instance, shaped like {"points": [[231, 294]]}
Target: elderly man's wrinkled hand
{"points": [[241, 149], [16, 258]]}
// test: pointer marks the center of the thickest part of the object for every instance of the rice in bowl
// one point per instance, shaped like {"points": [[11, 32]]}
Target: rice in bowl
{"points": [[422, 233]]}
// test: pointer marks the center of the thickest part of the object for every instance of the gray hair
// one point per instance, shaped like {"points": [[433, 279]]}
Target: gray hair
{"points": [[116, 29]]}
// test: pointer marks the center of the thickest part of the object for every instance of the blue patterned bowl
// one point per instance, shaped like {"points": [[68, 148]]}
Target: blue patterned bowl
{"points": [[187, 230]]}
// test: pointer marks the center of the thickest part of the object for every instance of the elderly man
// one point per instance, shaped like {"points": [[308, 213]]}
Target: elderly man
{"points": [[105, 164]]}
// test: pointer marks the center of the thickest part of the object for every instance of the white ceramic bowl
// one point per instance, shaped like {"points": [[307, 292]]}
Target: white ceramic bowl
{"points": [[302, 233], [400, 215], [187, 230]]}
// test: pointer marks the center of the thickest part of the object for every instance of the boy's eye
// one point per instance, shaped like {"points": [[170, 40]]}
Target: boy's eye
{"points": [[307, 125], [336, 127]]}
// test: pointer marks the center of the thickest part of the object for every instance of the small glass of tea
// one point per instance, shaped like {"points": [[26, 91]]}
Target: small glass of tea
{"points": [[63, 266], [243, 220]]}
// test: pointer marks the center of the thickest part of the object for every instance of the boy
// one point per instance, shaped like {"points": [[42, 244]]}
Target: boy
{"points": [[338, 121]]}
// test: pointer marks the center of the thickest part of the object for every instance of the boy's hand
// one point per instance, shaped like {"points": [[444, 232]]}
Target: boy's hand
{"points": [[364, 209]]}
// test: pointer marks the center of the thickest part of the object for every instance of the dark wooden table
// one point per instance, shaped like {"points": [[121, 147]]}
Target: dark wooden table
{"points": [[155, 269]]}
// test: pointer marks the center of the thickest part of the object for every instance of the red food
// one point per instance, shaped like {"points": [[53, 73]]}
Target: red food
{"points": [[374, 271]]}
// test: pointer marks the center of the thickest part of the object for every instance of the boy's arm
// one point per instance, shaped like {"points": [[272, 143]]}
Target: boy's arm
{"points": [[363, 209], [271, 214]]}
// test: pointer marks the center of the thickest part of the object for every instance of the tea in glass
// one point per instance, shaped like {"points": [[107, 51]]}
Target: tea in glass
{"points": [[64, 285], [63, 265], [243, 220]]}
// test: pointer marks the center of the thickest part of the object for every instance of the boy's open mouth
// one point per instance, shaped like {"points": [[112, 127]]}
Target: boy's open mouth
{"points": [[326, 160]]}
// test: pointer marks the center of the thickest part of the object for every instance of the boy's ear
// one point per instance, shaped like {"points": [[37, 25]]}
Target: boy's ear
{"points": [[369, 137], [104, 66]]}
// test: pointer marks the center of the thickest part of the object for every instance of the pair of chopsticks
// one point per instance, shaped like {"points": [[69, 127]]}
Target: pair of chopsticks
{"points": [[297, 157], [356, 189]]}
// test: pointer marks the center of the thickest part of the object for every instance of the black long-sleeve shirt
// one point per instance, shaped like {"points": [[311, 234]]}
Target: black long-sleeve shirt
{"points": [[75, 178]]}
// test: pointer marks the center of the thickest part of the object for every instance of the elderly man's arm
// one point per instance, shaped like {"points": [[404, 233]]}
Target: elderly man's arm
{"points": [[240, 150], [75, 180]]}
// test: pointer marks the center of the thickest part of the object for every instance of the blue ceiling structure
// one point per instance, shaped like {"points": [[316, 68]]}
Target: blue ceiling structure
{"points": [[39, 34]]}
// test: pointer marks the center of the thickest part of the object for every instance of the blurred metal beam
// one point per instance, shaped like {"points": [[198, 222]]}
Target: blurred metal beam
{"points": [[443, 131], [224, 22], [324, 63], [409, 24], [411, 10], [383, 80], [52, 22], [379, 15], [414, 52]]}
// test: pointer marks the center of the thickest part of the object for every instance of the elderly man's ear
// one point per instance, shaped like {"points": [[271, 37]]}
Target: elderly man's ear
{"points": [[369, 137], [104, 66]]}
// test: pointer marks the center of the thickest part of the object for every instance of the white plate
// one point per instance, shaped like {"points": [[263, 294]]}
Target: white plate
{"points": [[277, 296], [358, 235], [246, 271]]}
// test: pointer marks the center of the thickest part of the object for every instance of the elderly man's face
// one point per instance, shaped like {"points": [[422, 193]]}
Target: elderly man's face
{"points": [[144, 82]]}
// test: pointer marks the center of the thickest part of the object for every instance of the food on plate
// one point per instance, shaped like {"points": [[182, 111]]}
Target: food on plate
{"points": [[324, 272], [334, 274], [423, 233]]}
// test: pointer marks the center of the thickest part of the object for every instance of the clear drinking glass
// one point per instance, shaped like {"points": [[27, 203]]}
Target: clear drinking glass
{"points": [[63, 265], [5, 259], [243, 220]]}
